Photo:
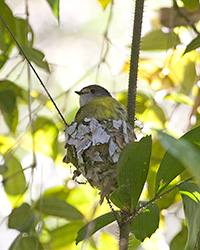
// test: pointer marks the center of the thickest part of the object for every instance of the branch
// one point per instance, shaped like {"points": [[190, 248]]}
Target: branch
{"points": [[135, 47]]}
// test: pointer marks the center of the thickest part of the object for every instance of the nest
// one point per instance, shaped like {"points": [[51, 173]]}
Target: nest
{"points": [[93, 147]]}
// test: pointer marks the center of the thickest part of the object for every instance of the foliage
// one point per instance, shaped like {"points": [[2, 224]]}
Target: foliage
{"points": [[51, 211]]}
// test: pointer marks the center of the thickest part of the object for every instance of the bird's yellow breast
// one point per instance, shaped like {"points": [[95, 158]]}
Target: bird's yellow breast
{"points": [[101, 108]]}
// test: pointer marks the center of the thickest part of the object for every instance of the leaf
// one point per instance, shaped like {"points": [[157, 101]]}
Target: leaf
{"points": [[189, 77], [191, 5], [121, 197], [64, 235], [11, 118], [43, 123], [6, 41], [133, 243], [132, 167], [104, 3], [179, 98], [179, 241], [3, 60], [21, 32], [159, 112], [18, 91], [22, 218], [36, 56], [194, 44], [191, 203], [24, 242], [7, 100], [163, 40], [58, 207], [9, 109], [93, 226], [13, 179], [146, 223], [46, 136], [54, 4], [181, 154]]}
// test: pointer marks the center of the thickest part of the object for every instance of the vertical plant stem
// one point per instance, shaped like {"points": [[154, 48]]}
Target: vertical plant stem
{"points": [[124, 230], [135, 47], [124, 226]]}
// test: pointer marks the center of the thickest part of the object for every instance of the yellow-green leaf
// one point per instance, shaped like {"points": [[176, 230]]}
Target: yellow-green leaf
{"points": [[13, 179], [104, 3]]}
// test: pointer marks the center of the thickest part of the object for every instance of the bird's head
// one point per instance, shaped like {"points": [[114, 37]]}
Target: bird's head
{"points": [[92, 91]]}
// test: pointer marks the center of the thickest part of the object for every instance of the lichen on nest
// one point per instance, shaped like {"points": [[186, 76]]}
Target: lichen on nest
{"points": [[93, 147]]}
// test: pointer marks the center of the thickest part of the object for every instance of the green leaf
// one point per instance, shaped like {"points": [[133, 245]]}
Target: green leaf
{"points": [[21, 32], [94, 225], [43, 123], [36, 57], [159, 112], [7, 100], [18, 91], [121, 197], [3, 60], [163, 40], [46, 128], [191, 202], [146, 223], [189, 77], [194, 44], [104, 3], [181, 154], [24, 242], [13, 179], [191, 5], [6, 41], [11, 118], [58, 207], [179, 241], [133, 166], [8, 107], [54, 4], [64, 235], [133, 243], [22, 218]]}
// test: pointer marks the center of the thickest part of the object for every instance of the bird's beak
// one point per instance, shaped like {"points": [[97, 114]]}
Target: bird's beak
{"points": [[78, 92]]}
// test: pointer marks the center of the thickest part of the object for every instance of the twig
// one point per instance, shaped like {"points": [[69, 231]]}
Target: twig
{"points": [[140, 209], [115, 213], [135, 48]]}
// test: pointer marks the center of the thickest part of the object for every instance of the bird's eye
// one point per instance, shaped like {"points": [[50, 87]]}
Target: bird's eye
{"points": [[93, 91]]}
